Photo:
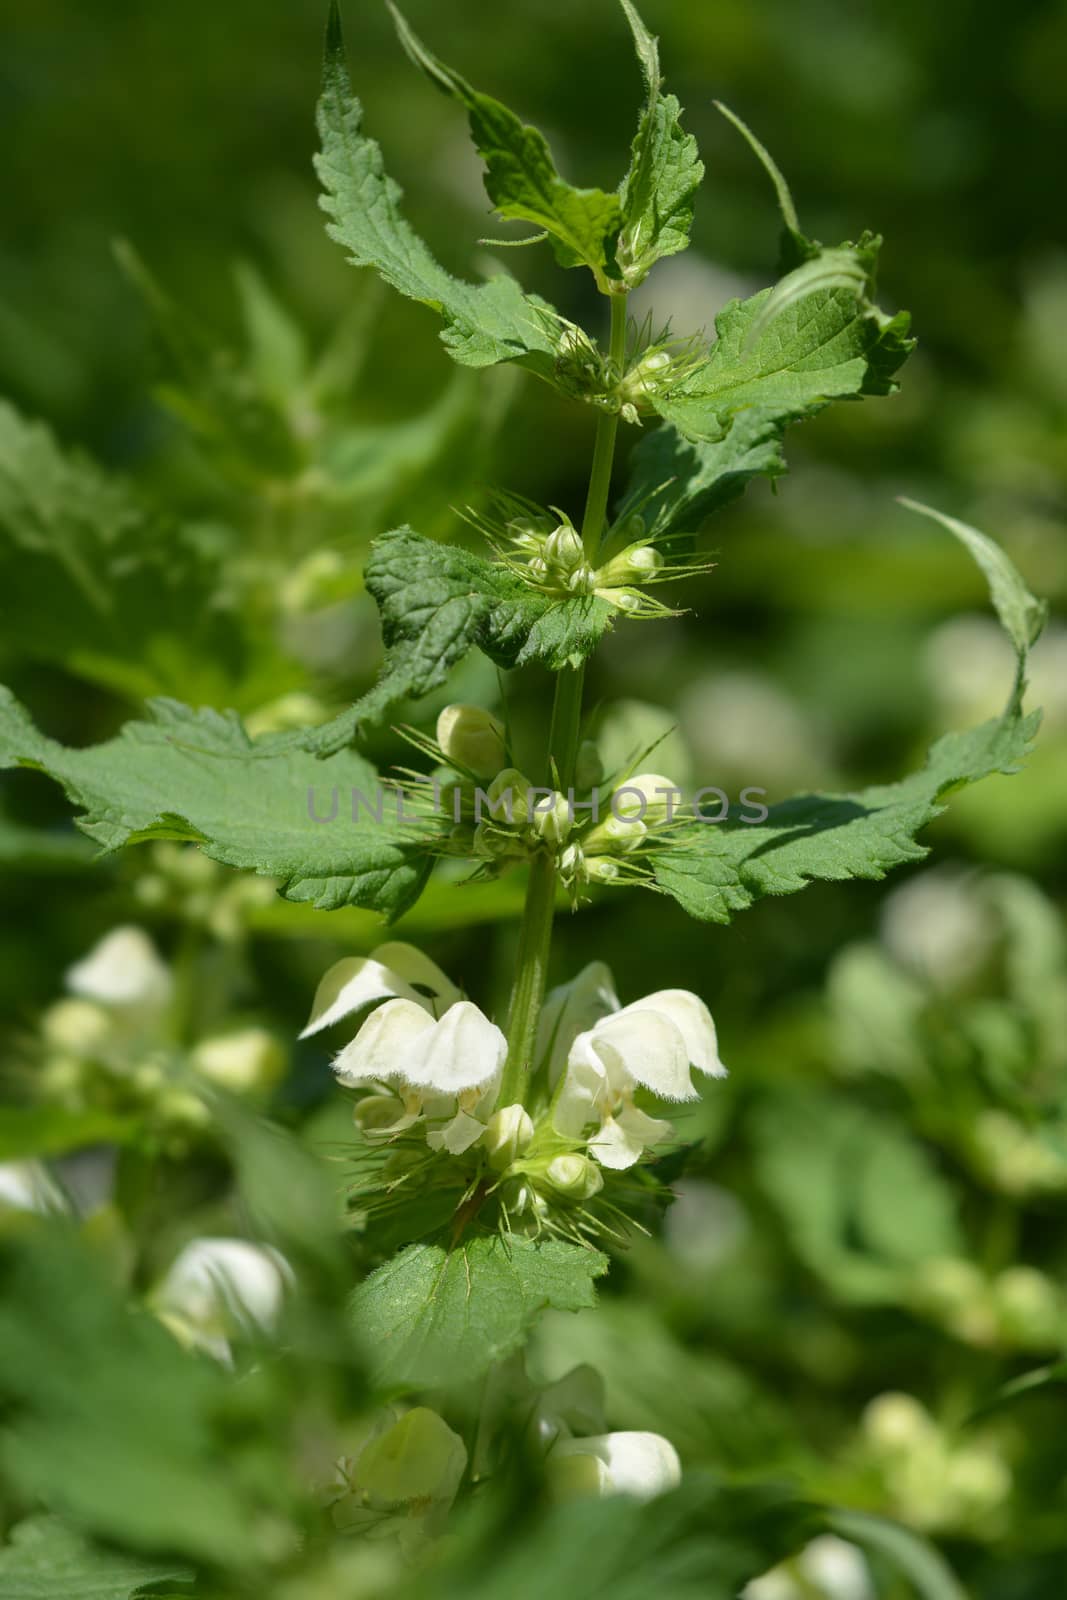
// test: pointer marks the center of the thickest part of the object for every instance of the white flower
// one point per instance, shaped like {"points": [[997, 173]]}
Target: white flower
{"points": [[216, 1287], [430, 1055], [123, 969], [829, 1567], [641, 1465], [242, 1061], [652, 1043], [27, 1186], [444, 1072], [392, 971]]}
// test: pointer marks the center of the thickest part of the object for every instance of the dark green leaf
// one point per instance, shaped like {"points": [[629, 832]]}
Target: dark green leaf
{"points": [[665, 172], [484, 323], [197, 775], [437, 603], [521, 178]]}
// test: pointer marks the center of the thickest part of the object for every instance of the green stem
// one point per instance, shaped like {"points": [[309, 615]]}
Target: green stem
{"points": [[535, 934]]}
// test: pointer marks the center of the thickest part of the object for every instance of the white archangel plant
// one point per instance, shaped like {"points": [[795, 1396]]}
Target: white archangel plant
{"points": [[503, 1141]]}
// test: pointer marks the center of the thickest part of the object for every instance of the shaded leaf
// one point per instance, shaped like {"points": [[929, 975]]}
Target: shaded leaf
{"points": [[45, 1560], [432, 1316]]}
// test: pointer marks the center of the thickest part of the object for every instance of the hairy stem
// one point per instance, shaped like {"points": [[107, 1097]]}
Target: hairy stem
{"points": [[535, 934]]}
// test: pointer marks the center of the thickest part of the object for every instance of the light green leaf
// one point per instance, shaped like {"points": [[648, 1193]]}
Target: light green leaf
{"points": [[437, 603], [860, 1198], [1021, 614], [829, 344], [197, 775], [484, 323], [432, 1317], [665, 172], [715, 869], [44, 1130], [48, 1560], [108, 1416], [521, 178]]}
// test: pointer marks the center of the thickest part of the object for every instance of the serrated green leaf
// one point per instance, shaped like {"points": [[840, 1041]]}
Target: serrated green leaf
{"points": [[438, 602], [197, 775], [46, 1559], [665, 172], [91, 580], [521, 177], [432, 1317], [714, 870], [484, 323], [675, 483], [1022, 615], [827, 345]]}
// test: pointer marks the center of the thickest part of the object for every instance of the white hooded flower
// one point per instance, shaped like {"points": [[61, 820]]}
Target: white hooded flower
{"points": [[123, 969], [215, 1287], [392, 971], [430, 1055], [650, 1044], [641, 1465]]}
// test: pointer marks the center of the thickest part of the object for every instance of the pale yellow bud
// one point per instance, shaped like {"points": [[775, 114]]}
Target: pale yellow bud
{"points": [[507, 1136], [575, 1177], [241, 1062], [472, 739]]}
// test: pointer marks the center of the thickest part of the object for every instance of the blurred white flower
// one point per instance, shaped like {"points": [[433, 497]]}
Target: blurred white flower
{"points": [[650, 1044], [828, 1567], [641, 1465], [217, 1288], [937, 926], [28, 1186], [123, 969], [242, 1061]]}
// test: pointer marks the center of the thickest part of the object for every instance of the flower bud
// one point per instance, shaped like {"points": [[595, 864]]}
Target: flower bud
{"points": [[507, 1136], [601, 869], [632, 566], [242, 1062], [80, 1026], [897, 1422], [509, 797], [615, 837], [553, 822], [378, 1114], [575, 1177], [419, 1459], [564, 548], [649, 797], [472, 738]]}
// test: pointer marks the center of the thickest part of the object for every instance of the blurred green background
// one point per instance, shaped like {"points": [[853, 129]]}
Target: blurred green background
{"points": [[834, 639]]}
